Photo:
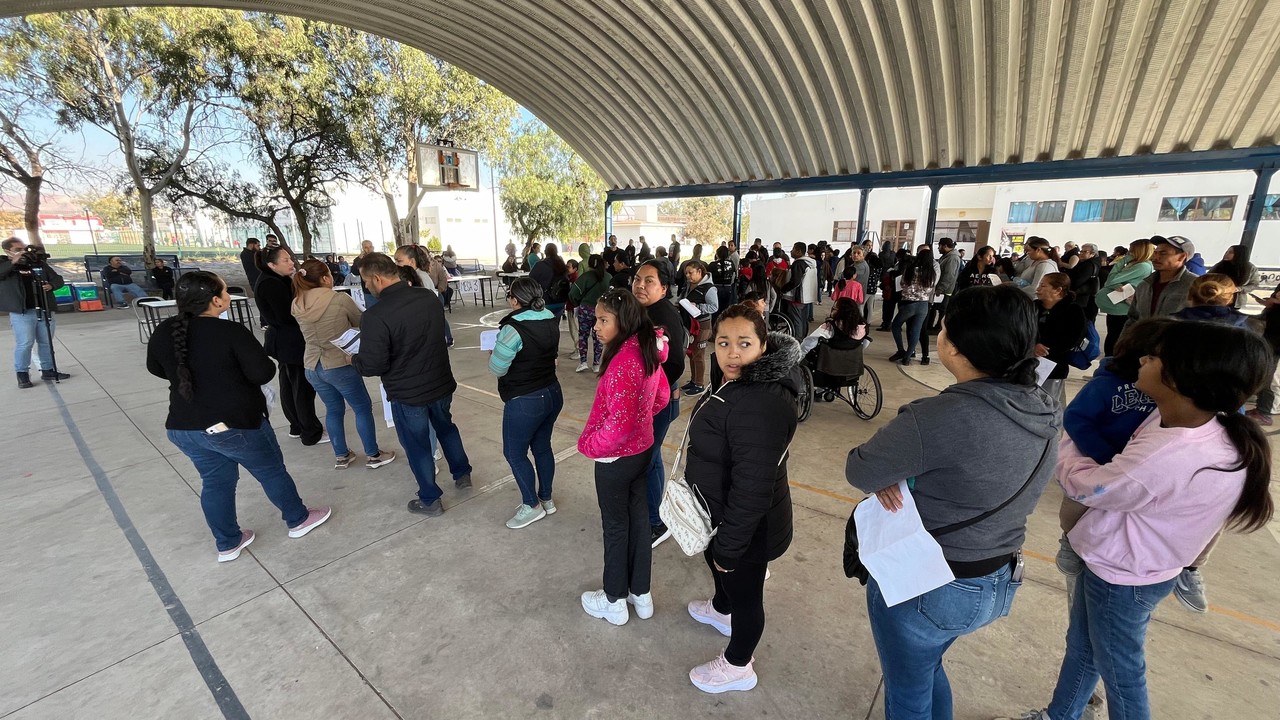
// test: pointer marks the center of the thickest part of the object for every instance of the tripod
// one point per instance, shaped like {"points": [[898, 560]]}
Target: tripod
{"points": [[44, 314]]}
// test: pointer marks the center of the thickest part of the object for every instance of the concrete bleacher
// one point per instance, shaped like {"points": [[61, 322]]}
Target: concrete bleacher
{"points": [[382, 614]]}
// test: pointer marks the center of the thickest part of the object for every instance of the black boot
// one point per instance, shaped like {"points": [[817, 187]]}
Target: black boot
{"points": [[24, 381], [53, 375]]}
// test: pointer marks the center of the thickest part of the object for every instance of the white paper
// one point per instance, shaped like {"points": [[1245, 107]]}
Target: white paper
{"points": [[488, 339], [270, 394], [1121, 294], [386, 406], [995, 279], [690, 307], [1044, 368], [939, 298], [348, 342], [357, 294], [900, 554]]}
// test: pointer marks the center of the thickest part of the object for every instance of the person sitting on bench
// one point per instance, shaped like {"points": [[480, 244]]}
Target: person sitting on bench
{"points": [[119, 279]]}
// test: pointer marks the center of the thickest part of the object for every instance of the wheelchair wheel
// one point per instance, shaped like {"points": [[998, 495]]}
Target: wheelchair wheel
{"points": [[804, 402], [779, 323], [866, 397]]}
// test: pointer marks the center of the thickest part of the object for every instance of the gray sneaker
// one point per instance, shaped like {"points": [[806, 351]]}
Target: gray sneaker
{"points": [[550, 506], [525, 516], [1190, 590], [1068, 562]]}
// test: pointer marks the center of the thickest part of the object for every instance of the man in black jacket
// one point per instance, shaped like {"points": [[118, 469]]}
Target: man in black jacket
{"points": [[402, 341], [249, 261], [162, 277], [24, 275], [283, 341]]}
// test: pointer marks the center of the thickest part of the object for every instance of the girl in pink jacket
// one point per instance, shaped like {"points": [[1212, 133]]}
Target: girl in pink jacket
{"points": [[619, 437], [1193, 466]]}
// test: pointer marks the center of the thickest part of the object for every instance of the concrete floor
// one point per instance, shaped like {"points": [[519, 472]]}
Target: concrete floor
{"points": [[382, 614]]}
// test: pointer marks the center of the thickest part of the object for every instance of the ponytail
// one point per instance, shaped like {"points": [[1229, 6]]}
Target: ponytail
{"points": [[1254, 508], [180, 327]]}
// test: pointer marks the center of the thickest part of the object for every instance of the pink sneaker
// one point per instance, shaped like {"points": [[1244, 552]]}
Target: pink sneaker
{"points": [[315, 518], [246, 538], [720, 676], [704, 612], [1259, 417]]}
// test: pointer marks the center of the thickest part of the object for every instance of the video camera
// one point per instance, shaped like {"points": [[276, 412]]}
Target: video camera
{"points": [[34, 255]]}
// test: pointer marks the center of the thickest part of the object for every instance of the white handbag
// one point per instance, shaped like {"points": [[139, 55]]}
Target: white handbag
{"points": [[686, 518]]}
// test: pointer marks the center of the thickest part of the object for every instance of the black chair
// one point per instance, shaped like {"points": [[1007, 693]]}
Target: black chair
{"points": [[836, 369]]}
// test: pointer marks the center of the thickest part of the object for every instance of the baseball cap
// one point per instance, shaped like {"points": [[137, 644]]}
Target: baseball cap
{"points": [[1178, 242]]}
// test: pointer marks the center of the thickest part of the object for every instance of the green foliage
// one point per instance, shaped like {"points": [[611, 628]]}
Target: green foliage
{"points": [[115, 208], [708, 220], [548, 190], [433, 243]]}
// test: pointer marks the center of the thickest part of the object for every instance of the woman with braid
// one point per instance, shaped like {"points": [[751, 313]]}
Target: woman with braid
{"points": [[217, 412]]}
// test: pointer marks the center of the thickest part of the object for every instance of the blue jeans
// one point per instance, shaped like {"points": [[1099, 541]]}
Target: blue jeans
{"points": [[912, 636], [527, 422], [913, 314], [28, 330], [118, 291], [1106, 639], [419, 427], [217, 458], [655, 477], [339, 387]]}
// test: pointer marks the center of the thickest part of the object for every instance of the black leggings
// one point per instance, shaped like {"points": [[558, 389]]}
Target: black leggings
{"points": [[741, 594], [1115, 327], [624, 518]]}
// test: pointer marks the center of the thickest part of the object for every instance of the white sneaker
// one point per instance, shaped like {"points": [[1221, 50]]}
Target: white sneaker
{"points": [[595, 368], [582, 366], [705, 612], [597, 605], [324, 438], [439, 454], [643, 604], [720, 675]]}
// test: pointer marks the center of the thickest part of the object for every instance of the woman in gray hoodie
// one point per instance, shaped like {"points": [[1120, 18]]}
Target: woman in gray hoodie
{"points": [[973, 497], [324, 315]]}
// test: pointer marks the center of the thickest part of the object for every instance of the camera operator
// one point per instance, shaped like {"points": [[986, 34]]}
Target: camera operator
{"points": [[27, 283]]}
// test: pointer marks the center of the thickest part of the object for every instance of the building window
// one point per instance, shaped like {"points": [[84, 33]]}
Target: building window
{"points": [[1208, 207], [1045, 211], [1125, 210], [1271, 208], [844, 231]]}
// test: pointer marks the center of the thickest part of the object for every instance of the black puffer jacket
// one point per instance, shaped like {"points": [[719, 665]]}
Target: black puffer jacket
{"points": [[737, 442]]}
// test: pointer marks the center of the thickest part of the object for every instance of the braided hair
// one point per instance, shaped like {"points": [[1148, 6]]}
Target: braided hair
{"points": [[193, 293]]}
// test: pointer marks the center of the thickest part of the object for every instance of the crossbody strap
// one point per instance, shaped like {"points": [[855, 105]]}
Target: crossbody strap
{"points": [[948, 529]]}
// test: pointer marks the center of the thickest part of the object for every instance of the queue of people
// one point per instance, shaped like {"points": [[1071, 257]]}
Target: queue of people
{"points": [[1151, 482]]}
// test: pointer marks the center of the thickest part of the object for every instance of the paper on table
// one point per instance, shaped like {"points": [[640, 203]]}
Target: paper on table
{"points": [[348, 342], [488, 339], [1121, 294], [1044, 368], [900, 554], [690, 307], [386, 406]]}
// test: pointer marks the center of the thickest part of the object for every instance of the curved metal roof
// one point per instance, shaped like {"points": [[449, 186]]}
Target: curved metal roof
{"points": [[659, 93]]}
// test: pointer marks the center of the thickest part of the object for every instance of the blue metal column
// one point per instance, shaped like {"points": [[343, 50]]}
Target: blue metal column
{"points": [[737, 222], [1257, 202], [608, 220], [865, 195], [934, 190]]}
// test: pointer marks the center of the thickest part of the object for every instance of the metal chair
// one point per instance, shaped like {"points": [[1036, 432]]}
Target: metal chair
{"points": [[144, 325]]}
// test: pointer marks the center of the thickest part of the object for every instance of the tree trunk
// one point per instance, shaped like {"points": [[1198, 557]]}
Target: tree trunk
{"points": [[148, 227], [31, 209], [394, 215], [303, 222]]}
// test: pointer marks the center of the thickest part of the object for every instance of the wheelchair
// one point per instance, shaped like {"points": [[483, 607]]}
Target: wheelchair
{"points": [[779, 323], [839, 372]]}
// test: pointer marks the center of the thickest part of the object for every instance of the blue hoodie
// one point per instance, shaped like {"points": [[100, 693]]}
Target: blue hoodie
{"points": [[1196, 265], [1105, 414]]}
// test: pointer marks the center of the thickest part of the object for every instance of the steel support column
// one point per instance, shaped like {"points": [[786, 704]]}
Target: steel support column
{"points": [[1257, 203], [934, 190], [608, 220], [737, 222], [863, 196]]}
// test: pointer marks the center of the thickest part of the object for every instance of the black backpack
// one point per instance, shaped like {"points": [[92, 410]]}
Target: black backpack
{"points": [[722, 272], [558, 292]]}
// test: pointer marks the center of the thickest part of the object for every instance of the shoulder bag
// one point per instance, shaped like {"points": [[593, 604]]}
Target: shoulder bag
{"points": [[853, 567]]}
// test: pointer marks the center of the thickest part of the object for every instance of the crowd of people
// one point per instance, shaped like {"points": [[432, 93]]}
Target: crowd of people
{"points": [[1155, 455]]}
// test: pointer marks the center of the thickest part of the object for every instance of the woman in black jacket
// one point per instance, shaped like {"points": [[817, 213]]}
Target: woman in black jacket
{"points": [[283, 341], [1061, 328], [738, 440], [217, 413]]}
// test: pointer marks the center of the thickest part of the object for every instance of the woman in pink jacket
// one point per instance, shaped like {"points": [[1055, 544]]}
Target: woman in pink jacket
{"points": [[1195, 465], [619, 437]]}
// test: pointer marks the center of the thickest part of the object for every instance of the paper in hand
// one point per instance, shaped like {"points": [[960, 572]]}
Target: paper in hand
{"points": [[994, 279], [690, 307], [1044, 368], [1121, 294], [488, 339], [900, 554], [348, 342]]}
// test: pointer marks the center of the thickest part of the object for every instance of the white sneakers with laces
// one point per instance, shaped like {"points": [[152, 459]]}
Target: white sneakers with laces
{"points": [[720, 675], [643, 605], [596, 604]]}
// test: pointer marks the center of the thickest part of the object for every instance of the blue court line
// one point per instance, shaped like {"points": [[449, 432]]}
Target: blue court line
{"points": [[222, 691]]}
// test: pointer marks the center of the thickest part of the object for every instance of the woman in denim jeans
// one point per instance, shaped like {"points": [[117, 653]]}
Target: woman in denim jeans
{"points": [[218, 414], [988, 344], [324, 315], [524, 359]]}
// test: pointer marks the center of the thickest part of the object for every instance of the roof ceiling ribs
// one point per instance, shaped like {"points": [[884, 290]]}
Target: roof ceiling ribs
{"points": [[664, 93]]}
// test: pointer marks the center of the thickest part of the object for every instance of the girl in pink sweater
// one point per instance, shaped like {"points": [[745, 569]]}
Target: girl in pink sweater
{"points": [[619, 437], [1193, 466]]}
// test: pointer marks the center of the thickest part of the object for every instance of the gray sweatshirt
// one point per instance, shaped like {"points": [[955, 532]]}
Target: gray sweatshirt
{"points": [[959, 476]]}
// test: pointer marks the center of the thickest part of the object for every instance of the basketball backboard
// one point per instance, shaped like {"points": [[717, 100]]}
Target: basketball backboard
{"points": [[448, 168]]}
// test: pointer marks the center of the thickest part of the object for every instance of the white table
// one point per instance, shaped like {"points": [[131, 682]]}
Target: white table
{"points": [[483, 286], [156, 311]]}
